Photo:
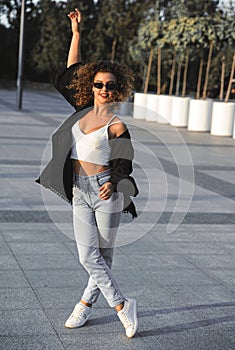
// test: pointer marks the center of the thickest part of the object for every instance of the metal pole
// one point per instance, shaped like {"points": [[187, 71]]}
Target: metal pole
{"points": [[21, 56]]}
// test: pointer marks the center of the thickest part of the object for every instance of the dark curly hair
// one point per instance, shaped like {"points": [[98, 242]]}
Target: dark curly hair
{"points": [[84, 78]]}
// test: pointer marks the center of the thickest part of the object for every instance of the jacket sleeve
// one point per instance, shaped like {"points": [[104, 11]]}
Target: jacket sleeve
{"points": [[121, 163], [62, 81]]}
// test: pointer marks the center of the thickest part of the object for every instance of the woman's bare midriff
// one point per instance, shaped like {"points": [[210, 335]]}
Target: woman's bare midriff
{"points": [[86, 168]]}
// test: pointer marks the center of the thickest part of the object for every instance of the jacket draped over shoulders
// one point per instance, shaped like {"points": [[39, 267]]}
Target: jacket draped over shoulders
{"points": [[62, 81]]}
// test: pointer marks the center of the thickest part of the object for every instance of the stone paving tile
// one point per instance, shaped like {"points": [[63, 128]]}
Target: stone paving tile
{"points": [[44, 261], [56, 277], [18, 298], [177, 277], [22, 236], [180, 338], [223, 310], [60, 297], [229, 175], [223, 275], [204, 234], [117, 341], [185, 278], [22, 342], [201, 294], [8, 262], [4, 249], [43, 248], [182, 328], [12, 278], [211, 262], [151, 318], [35, 227], [153, 262], [42, 216], [71, 245], [24, 322], [160, 247], [157, 325], [228, 334], [220, 323]]}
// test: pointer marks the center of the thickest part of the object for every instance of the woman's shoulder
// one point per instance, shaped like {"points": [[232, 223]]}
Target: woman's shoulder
{"points": [[117, 126]]}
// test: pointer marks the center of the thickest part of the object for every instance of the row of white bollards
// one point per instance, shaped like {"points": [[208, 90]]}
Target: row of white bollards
{"points": [[207, 115]]}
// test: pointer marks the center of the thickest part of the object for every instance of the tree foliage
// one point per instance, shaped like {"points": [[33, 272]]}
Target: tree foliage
{"points": [[125, 31]]}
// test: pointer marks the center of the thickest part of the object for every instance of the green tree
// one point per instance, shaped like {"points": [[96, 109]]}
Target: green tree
{"points": [[150, 38], [180, 34], [9, 47], [117, 25], [8, 57], [49, 53], [209, 40], [90, 15], [225, 46]]}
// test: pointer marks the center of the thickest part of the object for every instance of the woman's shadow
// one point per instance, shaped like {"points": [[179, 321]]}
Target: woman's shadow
{"points": [[177, 328]]}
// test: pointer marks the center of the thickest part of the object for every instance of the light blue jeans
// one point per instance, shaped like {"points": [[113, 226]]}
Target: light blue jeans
{"points": [[95, 224]]}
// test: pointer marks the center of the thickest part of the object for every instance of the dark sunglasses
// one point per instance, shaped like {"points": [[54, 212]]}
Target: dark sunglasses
{"points": [[110, 86]]}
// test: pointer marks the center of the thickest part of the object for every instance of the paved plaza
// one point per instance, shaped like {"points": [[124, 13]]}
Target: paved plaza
{"points": [[177, 258]]}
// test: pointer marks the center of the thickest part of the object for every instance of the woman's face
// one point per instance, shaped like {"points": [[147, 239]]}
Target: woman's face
{"points": [[103, 88]]}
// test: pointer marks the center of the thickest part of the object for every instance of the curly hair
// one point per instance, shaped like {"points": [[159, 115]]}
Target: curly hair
{"points": [[84, 78]]}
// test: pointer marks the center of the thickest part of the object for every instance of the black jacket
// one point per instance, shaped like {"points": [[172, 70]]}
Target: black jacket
{"points": [[58, 174]]}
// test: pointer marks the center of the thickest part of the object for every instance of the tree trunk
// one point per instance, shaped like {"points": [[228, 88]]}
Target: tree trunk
{"points": [[178, 78], [172, 74], [221, 95], [114, 44], [207, 70], [159, 59], [185, 72], [144, 76], [148, 70], [231, 80], [199, 81]]}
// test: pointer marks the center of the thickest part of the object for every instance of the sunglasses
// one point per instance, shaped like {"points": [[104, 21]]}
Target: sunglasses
{"points": [[110, 86]]}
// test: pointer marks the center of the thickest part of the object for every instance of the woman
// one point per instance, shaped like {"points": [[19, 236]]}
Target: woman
{"points": [[91, 166]]}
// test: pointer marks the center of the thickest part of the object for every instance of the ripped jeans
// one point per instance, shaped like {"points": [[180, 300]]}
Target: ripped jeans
{"points": [[95, 224]]}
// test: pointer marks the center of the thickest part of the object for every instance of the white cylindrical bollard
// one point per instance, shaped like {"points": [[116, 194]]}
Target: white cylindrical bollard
{"points": [[140, 101], [222, 118], [152, 107], [179, 111], [200, 115], [164, 109]]}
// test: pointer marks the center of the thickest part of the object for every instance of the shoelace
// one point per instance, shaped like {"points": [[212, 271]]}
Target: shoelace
{"points": [[77, 312], [125, 320]]}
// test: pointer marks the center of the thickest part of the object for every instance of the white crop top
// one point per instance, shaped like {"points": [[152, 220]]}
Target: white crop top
{"points": [[92, 147]]}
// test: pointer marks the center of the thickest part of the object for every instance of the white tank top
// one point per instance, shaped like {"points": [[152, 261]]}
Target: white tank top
{"points": [[92, 147]]}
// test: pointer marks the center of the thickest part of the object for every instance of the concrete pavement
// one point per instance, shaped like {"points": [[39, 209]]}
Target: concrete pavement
{"points": [[182, 275]]}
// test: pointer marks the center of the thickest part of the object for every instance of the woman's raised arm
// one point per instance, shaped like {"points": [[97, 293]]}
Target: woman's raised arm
{"points": [[74, 54]]}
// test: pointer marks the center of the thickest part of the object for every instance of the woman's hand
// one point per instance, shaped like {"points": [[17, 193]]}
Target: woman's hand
{"points": [[106, 191], [75, 17]]}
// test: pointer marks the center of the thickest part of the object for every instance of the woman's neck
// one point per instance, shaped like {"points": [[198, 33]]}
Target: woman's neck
{"points": [[101, 110]]}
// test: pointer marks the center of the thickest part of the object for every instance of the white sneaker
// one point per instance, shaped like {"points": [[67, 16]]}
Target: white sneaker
{"points": [[79, 316], [128, 317]]}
